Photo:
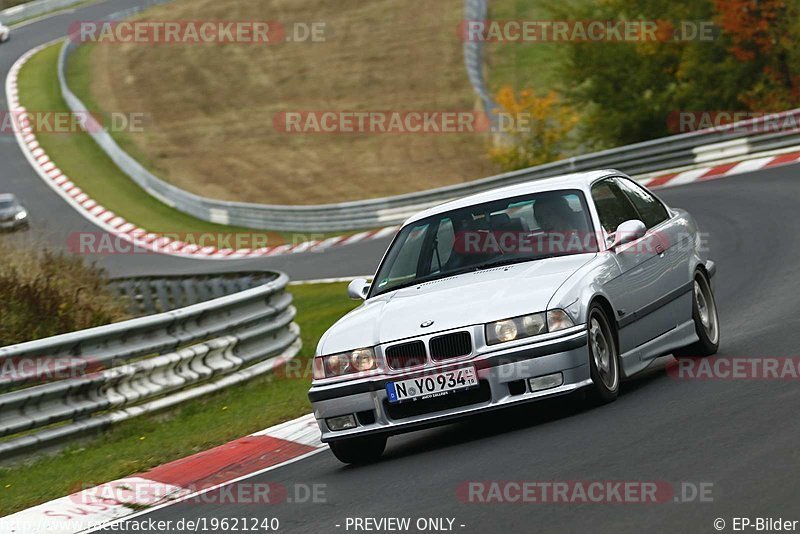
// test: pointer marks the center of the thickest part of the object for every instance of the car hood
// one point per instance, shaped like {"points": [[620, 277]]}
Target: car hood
{"points": [[457, 301]]}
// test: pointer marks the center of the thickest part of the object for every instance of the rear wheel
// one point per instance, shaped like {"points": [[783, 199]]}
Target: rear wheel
{"points": [[361, 450], [603, 356], [706, 321]]}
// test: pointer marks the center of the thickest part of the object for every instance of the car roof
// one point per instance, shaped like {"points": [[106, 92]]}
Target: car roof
{"points": [[7, 197], [578, 180]]}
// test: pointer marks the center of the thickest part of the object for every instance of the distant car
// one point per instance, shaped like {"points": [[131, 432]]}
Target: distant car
{"points": [[5, 33], [13, 215], [510, 296]]}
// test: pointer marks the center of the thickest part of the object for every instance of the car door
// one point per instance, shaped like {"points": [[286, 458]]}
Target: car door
{"points": [[639, 285], [675, 239]]}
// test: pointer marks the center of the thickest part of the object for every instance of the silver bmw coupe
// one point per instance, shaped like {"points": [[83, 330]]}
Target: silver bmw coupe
{"points": [[510, 296]]}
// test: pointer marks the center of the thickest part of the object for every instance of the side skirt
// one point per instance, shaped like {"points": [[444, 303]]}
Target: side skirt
{"points": [[637, 359]]}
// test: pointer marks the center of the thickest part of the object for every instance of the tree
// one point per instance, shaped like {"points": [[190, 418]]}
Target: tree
{"points": [[763, 34], [626, 91], [535, 129]]}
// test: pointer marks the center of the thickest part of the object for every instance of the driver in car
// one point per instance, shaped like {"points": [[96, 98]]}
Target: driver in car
{"points": [[561, 225]]}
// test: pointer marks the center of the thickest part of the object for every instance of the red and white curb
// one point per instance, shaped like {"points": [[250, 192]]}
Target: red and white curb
{"points": [[188, 479], [120, 228], [142, 239], [719, 170]]}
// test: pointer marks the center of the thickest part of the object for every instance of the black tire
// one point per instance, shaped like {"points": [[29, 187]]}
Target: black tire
{"points": [[706, 321], [362, 450], [603, 356]]}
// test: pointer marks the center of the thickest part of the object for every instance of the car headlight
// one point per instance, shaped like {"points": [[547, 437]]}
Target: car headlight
{"points": [[21, 215], [526, 326], [516, 328], [345, 363]]}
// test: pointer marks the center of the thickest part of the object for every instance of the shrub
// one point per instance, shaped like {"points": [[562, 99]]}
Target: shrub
{"points": [[44, 293]]}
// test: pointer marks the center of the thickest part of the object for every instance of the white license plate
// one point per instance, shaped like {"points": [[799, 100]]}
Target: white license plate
{"points": [[433, 385]]}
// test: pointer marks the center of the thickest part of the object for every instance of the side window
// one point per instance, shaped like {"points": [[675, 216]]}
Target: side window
{"points": [[612, 206], [651, 210]]}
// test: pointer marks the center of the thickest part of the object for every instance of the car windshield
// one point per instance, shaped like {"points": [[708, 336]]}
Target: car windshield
{"points": [[512, 230], [7, 203]]}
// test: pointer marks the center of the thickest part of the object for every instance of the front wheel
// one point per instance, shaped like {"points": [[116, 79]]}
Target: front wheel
{"points": [[706, 321], [361, 450], [603, 356]]}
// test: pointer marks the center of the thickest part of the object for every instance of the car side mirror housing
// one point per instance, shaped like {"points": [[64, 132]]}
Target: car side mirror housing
{"points": [[628, 231], [358, 289]]}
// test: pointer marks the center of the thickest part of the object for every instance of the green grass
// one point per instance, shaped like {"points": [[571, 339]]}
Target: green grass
{"points": [[79, 157], [79, 78], [46, 13], [145, 442], [524, 65]]}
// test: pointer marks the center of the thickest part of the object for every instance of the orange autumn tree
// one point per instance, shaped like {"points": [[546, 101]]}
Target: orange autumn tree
{"points": [[763, 35], [535, 129]]}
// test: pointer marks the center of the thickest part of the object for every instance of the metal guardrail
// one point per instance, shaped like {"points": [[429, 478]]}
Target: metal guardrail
{"points": [[641, 158], [473, 56], [156, 294], [85, 381], [29, 10]]}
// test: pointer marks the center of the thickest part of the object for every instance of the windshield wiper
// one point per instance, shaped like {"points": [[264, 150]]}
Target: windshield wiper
{"points": [[502, 261]]}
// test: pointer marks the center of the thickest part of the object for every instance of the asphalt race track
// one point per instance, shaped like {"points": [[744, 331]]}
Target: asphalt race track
{"points": [[739, 435], [52, 219]]}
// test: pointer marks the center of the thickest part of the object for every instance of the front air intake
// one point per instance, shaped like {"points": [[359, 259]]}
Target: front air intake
{"points": [[406, 355], [451, 346]]}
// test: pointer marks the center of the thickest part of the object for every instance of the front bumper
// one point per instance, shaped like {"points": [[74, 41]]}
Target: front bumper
{"points": [[503, 377], [13, 224]]}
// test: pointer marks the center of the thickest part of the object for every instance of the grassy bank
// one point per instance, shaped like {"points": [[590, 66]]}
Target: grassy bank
{"points": [[211, 107], [79, 157], [139, 444]]}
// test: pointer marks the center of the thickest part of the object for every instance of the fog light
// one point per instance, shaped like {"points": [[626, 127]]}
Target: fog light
{"points": [[343, 422], [546, 382]]}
